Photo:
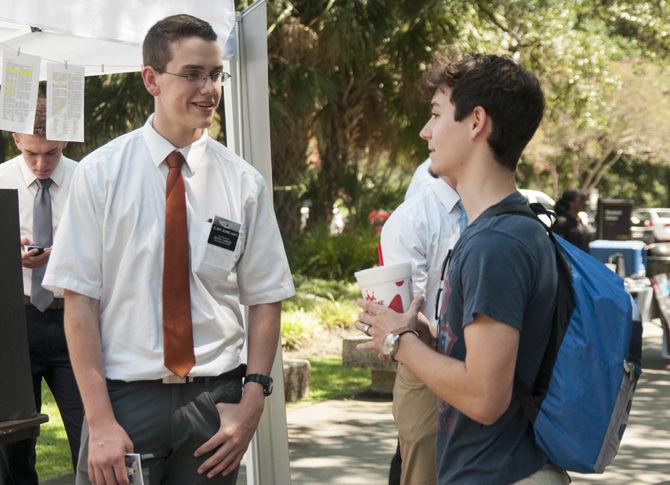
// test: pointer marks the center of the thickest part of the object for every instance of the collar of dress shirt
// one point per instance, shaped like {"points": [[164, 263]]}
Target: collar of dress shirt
{"points": [[160, 148], [447, 195], [29, 177]]}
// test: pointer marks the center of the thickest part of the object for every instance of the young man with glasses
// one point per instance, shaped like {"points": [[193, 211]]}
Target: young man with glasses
{"points": [[166, 233], [500, 283]]}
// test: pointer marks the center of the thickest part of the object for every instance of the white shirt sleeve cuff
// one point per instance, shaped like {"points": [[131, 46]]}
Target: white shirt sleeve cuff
{"points": [[60, 284]]}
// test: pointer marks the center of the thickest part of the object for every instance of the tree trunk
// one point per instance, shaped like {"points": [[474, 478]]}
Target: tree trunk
{"points": [[289, 140], [331, 164], [334, 159], [288, 165]]}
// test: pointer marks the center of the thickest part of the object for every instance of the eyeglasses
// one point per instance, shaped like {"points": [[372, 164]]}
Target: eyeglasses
{"points": [[440, 291], [200, 78]]}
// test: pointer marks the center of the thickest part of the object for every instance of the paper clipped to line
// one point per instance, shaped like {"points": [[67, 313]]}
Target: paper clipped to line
{"points": [[18, 95], [65, 102]]}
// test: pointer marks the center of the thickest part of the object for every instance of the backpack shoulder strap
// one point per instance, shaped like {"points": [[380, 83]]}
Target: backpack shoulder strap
{"points": [[532, 211], [530, 399]]}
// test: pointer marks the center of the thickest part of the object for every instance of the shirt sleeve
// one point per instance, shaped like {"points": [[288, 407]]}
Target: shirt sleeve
{"points": [[403, 239], [497, 279], [263, 273], [75, 263]]}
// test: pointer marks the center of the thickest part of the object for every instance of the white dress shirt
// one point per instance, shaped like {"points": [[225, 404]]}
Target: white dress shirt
{"points": [[422, 230], [421, 179], [110, 247], [15, 174]]}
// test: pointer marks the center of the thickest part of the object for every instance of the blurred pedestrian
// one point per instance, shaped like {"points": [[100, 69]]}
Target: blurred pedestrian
{"points": [[568, 224]]}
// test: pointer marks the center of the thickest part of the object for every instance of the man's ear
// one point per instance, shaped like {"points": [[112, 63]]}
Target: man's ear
{"points": [[150, 78], [17, 140], [480, 122]]}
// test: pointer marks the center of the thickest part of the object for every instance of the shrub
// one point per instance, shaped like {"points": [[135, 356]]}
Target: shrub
{"points": [[337, 314], [318, 303], [297, 328], [331, 289], [322, 255]]}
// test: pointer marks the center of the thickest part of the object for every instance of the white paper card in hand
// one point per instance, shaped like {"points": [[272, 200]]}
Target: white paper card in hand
{"points": [[134, 469]]}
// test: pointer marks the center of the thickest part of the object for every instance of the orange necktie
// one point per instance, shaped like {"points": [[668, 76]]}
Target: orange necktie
{"points": [[177, 325]]}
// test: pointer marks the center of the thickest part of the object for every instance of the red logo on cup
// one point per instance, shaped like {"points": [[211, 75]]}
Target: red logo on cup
{"points": [[396, 304]]}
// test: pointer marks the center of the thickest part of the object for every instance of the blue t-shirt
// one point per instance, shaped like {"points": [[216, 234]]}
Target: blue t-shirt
{"points": [[502, 267]]}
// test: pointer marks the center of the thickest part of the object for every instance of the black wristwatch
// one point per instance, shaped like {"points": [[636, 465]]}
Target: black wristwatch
{"points": [[265, 381]]}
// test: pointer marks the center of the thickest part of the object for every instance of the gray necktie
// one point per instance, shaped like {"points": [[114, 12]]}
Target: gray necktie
{"points": [[462, 216], [42, 235]]}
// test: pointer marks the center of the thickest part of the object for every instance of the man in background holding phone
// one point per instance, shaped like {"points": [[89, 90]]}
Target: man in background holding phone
{"points": [[42, 176]]}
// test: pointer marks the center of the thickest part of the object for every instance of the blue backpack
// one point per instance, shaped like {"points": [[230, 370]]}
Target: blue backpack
{"points": [[581, 399]]}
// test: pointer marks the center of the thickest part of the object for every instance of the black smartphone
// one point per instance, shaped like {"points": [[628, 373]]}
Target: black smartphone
{"points": [[39, 248]]}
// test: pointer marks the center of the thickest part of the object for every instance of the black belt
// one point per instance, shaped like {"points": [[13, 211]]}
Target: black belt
{"points": [[56, 304], [236, 373]]}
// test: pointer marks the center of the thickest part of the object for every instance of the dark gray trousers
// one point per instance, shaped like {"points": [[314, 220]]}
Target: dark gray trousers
{"points": [[166, 423]]}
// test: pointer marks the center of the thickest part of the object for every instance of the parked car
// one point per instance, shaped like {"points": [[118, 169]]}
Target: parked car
{"points": [[650, 224], [547, 202], [537, 196]]}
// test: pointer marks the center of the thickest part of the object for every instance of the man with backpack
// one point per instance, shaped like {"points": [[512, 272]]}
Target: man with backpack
{"points": [[499, 287]]}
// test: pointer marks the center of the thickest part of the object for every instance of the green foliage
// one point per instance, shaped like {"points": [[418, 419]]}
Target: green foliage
{"points": [[311, 292], [643, 182], [322, 255], [317, 305], [329, 380], [337, 314], [297, 328], [645, 24], [381, 191], [53, 450], [338, 289], [356, 60], [361, 63]]}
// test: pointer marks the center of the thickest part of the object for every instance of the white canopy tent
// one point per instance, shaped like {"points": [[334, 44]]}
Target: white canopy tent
{"points": [[105, 37]]}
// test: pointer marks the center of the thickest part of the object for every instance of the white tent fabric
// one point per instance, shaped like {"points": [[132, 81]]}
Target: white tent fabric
{"points": [[103, 36]]}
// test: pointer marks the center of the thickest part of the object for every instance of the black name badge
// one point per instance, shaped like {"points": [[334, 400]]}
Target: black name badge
{"points": [[224, 233]]}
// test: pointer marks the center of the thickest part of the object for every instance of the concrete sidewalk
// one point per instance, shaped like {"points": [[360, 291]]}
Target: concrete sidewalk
{"points": [[352, 441], [644, 455], [341, 442]]}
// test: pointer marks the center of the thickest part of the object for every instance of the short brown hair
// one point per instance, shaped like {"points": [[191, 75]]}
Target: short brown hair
{"points": [[511, 96], [40, 125], [156, 51]]}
